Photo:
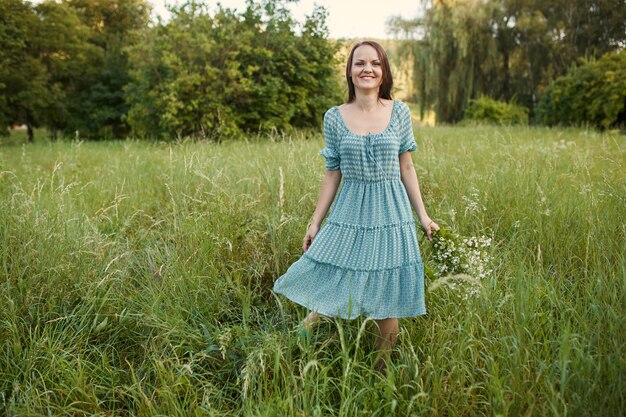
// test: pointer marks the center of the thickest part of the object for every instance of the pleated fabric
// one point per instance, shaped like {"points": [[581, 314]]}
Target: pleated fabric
{"points": [[365, 259]]}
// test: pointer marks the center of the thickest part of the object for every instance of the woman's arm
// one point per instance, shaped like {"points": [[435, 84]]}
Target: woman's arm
{"points": [[409, 179], [330, 183]]}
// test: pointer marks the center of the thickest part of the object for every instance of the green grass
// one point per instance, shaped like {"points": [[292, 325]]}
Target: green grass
{"points": [[20, 137], [135, 279]]}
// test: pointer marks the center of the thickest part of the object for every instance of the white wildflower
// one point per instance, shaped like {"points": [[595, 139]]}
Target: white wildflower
{"points": [[472, 202]]}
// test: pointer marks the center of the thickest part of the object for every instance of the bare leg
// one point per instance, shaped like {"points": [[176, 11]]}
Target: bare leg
{"points": [[385, 340], [312, 319]]}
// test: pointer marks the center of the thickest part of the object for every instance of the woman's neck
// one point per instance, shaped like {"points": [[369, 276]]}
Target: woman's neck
{"points": [[366, 101]]}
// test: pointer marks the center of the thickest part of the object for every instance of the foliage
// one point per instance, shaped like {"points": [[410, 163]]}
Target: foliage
{"points": [[593, 93], [502, 48], [40, 48], [485, 109], [97, 105], [63, 64], [217, 76]]}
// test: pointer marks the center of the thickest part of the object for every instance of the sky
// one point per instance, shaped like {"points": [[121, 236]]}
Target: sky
{"points": [[346, 18]]}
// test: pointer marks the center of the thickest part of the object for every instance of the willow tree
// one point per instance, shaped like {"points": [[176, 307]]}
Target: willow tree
{"points": [[454, 55]]}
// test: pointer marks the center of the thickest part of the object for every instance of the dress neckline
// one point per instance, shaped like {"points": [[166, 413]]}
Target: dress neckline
{"points": [[345, 125]]}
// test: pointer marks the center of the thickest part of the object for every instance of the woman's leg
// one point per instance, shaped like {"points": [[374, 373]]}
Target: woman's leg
{"points": [[385, 340], [312, 319]]}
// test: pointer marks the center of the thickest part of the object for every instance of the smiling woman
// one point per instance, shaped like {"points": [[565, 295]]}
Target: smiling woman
{"points": [[368, 67], [368, 70], [365, 259]]}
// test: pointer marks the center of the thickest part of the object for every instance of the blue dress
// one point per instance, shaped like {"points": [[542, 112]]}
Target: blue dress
{"points": [[365, 259]]}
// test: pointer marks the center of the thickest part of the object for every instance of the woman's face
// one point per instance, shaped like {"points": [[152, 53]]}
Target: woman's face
{"points": [[366, 70]]}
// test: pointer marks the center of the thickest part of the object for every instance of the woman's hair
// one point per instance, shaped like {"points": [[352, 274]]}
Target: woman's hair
{"points": [[387, 83]]}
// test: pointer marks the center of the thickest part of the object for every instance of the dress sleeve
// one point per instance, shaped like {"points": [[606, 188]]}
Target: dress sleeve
{"points": [[331, 149], [407, 138]]}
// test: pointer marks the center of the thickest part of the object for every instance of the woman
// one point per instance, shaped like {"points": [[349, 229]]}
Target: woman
{"points": [[365, 259]]}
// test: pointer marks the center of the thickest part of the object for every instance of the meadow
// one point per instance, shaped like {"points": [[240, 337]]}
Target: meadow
{"points": [[136, 277]]}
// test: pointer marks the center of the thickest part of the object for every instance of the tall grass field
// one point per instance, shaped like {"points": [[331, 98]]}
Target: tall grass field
{"points": [[136, 278]]}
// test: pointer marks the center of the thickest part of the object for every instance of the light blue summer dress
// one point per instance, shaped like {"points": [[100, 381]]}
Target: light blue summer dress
{"points": [[365, 259]]}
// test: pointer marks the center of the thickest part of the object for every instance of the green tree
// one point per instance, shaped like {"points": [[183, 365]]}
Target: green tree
{"points": [[96, 103], [183, 71], [44, 50], [22, 75], [60, 42], [215, 76], [454, 56]]}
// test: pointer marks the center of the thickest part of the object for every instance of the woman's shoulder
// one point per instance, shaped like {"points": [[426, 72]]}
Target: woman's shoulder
{"points": [[403, 110], [332, 122], [332, 117], [331, 113], [401, 105]]}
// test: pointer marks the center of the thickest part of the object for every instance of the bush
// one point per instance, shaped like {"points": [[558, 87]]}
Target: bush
{"points": [[488, 110], [593, 93]]}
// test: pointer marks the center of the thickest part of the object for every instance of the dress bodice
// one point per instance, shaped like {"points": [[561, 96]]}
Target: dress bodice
{"points": [[372, 157]]}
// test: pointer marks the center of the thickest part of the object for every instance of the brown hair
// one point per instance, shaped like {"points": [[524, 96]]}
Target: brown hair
{"points": [[387, 83]]}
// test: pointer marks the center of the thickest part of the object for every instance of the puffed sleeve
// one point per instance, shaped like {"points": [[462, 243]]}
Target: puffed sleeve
{"points": [[331, 149], [407, 138]]}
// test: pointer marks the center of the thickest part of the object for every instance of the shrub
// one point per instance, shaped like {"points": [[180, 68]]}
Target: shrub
{"points": [[488, 110], [593, 93]]}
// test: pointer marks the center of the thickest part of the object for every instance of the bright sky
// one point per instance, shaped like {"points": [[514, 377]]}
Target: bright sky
{"points": [[346, 18]]}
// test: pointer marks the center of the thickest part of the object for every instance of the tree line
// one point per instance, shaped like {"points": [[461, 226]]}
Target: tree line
{"points": [[103, 69], [509, 50]]}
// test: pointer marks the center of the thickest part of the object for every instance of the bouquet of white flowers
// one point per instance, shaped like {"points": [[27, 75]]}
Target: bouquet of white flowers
{"points": [[459, 263]]}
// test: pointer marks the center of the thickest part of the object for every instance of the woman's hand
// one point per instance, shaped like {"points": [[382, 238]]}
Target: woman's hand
{"points": [[429, 227], [309, 236]]}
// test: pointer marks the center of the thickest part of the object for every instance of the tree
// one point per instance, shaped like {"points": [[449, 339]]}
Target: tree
{"points": [[503, 48], [96, 102], [221, 75], [93, 66], [43, 49], [61, 43], [454, 55], [22, 76]]}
